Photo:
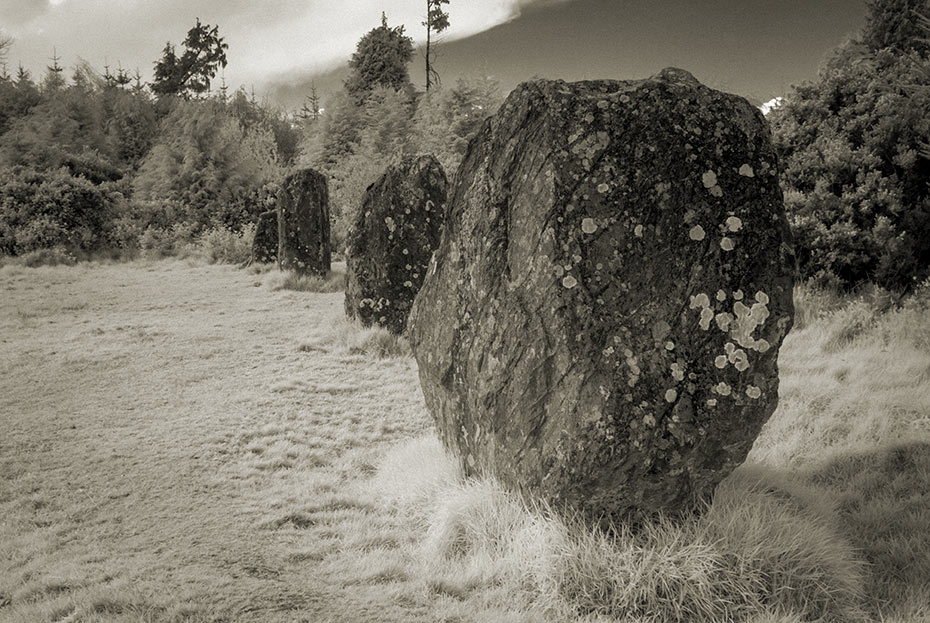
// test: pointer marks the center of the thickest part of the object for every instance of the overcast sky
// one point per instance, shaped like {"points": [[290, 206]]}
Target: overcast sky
{"points": [[757, 48]]}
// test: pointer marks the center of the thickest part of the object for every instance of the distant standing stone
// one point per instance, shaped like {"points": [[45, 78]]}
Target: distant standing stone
{"points": [[265, 242], [303, 223], [601, 323], [390, 244]]}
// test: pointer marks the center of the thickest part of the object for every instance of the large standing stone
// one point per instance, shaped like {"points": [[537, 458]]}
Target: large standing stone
{"points": [[265, 242], [392, 240], [303, 223], [601, 322]]}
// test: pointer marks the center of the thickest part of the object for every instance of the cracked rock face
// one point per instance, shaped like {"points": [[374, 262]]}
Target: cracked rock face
{"points": [[600, 325], [265, 242], [303, 223], [391, 242]]}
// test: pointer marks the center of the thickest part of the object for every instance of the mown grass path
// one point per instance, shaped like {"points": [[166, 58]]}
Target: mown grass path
{"points": [[173, 448]]}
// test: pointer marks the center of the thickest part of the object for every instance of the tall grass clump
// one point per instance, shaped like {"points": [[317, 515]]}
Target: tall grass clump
{"points": [[334, 281], [351, 338], [766, 549]]}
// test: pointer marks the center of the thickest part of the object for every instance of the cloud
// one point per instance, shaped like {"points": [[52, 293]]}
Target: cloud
{"points": [[266, 38]]}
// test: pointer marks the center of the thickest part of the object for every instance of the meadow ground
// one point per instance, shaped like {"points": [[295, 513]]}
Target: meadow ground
{"points": [[191, 442]]}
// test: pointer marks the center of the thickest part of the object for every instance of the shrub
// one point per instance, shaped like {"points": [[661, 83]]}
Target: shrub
{"points": [[855, 171], [40, 210], [223, 245]]}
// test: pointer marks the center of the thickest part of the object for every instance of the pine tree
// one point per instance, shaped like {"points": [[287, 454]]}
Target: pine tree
{"points": [[190, 74], [436, 21], [897, 24], [380, 59], [54, 80]]}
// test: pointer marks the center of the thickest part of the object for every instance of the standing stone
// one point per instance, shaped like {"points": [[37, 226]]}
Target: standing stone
{"points": [[391, 242], [601, 322], [303, 223], [265, 242]]}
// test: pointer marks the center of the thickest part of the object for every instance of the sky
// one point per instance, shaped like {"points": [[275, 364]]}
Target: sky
{"points": [[756, 48]]}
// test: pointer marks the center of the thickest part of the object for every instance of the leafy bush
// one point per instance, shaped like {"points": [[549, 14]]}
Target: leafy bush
{"points": [[41, 210], [225, 246], [856, 168]]}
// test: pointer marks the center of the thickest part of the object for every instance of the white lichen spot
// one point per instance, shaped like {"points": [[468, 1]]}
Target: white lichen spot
{"points": [[707, 314], [638, 231], [700, 300], [721, 361], [721, 295], [722, 388], [762, 345], [729, 348], [406, 252], [753, 392], [390, 223], [670, 345], [716, 191], [712, 402], [408, 284], [602, 188], [762, 297], [738, 295], [709, 179], [588, 225], [734, 223], [723, 320], [678, 371], [696, 233], [726, 244], [569, 282], [746, 171], [671, 395], [649, 421]]}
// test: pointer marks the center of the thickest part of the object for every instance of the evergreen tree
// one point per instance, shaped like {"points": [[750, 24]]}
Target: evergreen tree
{"points": [[856, 171], [54, 80], [190, 74], [380, 59], [897, 24], [437, 21]]}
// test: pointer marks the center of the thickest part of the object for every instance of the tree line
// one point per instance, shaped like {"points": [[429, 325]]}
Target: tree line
{"points": [[104, 162], [97, 162]]}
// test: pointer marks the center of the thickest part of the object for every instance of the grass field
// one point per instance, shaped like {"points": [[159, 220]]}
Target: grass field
{"points": [[191, 442]]}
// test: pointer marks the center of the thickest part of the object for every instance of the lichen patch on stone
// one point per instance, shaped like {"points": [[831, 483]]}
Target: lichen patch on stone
{"points": [[696, 233]]}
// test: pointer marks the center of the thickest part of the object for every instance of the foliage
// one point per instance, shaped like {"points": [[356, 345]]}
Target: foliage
{"points": [[208, 168], [446, 119], [55, 209], [856, 169], [380, 59], [897, 24], [437, 21], [190, 74]]}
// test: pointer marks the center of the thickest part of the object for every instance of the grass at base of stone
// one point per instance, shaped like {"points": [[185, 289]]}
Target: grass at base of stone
{"points": [[334, 281], [766, 545]]}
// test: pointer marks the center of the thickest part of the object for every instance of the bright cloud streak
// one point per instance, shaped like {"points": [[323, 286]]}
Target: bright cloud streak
{"points": [[267, 38]]}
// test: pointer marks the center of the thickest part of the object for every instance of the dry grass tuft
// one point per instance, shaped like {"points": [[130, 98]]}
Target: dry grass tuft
{"points": [[351, 338], [334, 281]]}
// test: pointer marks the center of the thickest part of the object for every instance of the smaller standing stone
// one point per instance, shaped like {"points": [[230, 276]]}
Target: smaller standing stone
{"points": [[392, 240], [303, 223], [265, 242]]}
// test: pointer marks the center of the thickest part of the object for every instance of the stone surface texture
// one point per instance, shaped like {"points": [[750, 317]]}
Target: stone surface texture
{"points": [[303, 223], [392, 240], [265, 242], [600, 325]]}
